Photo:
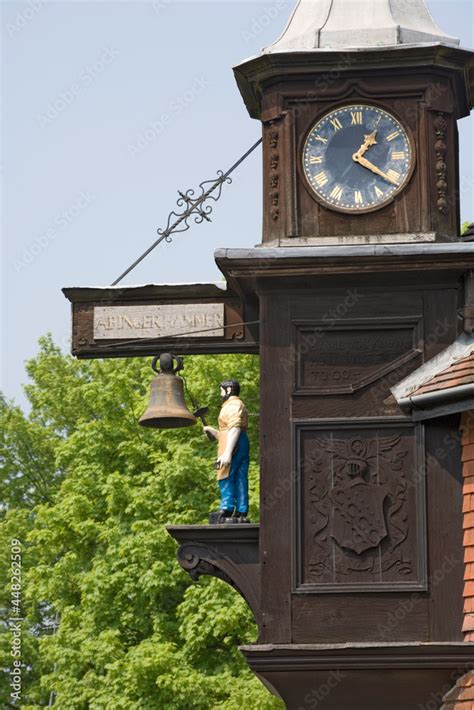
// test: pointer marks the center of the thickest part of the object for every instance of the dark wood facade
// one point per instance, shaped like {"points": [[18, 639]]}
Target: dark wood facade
{"points": [[323, 427], [331, 347], [357, 567], [361, 529], [354, 492]]}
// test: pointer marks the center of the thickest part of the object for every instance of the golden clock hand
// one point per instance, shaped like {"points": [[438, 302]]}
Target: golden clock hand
{"points": [[370, 140], [370, 166]]}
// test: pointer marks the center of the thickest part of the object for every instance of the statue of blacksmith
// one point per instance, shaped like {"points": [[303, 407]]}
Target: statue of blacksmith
{"points": [[232, 464]]}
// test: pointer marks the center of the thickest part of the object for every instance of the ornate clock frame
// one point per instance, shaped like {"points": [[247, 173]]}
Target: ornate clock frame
{"points": [[363, 210], [422, 88]]}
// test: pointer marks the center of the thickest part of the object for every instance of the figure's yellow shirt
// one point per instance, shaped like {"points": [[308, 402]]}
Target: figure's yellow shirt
{"points": [[233, 414]]}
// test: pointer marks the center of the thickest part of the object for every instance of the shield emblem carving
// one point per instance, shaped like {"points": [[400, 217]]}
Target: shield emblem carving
{"points": [[358, 521]]}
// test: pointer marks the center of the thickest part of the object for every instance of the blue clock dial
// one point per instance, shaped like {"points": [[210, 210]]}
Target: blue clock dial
{"points": [[357, 158]]}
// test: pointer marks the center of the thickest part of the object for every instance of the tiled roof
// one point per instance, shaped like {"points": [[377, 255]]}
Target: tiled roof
{"points": [[459, 373], [461, 696], [445, 381], [467, 427]]}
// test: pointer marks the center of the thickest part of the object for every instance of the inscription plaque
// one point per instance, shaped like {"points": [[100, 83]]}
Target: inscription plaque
{"points": [[350, 355], [130, 322], [360, 509]]}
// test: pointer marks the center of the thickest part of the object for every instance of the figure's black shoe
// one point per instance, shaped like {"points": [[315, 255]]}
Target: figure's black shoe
{"points": [[241, 517], [220, 517]]}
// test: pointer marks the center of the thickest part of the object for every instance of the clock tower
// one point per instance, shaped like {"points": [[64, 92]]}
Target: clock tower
{"points": [[356, 571], [359, 101], [359, 280], [359, 301]]}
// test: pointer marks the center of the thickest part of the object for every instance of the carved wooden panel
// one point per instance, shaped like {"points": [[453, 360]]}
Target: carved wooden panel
{"points": [[344, 356], [360, 507], [274, 140]]}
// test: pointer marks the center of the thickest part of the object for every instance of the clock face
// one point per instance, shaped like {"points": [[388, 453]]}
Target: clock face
{"points": [[357, 158]]}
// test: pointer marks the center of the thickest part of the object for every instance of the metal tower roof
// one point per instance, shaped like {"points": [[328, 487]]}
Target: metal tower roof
{"points": [[339, 24]]}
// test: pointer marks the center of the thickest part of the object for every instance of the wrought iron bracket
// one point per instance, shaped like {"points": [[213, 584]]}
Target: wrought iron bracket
{"points": [[191, 206]]}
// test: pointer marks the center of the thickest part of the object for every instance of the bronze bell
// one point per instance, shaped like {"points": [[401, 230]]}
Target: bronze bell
{"points": [[167, 408]]}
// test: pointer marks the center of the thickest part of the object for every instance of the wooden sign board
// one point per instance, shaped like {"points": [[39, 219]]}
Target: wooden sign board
{"points": [[203, 320], [147, 320]]}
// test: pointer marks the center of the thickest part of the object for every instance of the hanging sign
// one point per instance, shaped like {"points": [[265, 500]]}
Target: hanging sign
{"points": [[135, 321], [125, 322]]}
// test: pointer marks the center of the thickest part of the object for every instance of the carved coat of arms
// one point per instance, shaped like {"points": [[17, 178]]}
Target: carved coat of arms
{"points": [[358, 521], [358, 493]]}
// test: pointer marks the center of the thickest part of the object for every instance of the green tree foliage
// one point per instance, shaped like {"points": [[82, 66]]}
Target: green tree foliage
{"points": [[88, 492]]}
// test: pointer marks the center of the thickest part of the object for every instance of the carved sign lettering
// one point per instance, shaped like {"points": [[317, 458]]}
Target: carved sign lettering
{"points": [[129, 322], [343, 360]]}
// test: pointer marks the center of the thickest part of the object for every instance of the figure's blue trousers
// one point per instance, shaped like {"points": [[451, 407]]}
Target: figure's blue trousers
{"points": [[235, 488]]}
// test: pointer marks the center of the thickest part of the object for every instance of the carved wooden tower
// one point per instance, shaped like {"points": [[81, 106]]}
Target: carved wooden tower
{"points": [[360, 279], [355, 573]]}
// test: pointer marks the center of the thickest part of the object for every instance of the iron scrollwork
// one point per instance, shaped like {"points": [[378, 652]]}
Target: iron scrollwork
{"points": [[195, 206]]}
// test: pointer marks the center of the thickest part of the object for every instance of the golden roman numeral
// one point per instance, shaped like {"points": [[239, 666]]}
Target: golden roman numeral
{"points": [[321, 139], [316, 159], [392, 136], [356, 118], [378, 191], [398, 155], [336, 194], [358, 197], [337, 125], [393, 175], [321, 178]]}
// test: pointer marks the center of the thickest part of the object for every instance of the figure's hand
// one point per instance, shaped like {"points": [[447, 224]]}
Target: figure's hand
{"points": [[224, 460], [373, 168], [211, 432]]}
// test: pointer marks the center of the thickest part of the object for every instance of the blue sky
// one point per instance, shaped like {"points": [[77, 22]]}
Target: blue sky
{"points": [[108, 109]]}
